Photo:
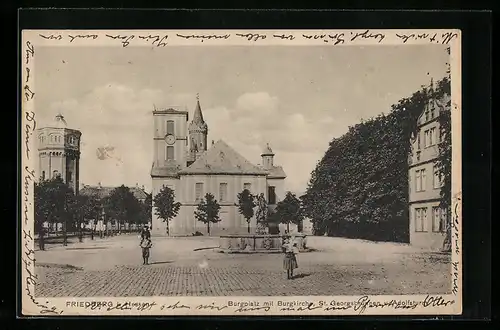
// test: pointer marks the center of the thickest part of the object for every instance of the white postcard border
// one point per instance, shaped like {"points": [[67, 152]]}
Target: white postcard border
{"points": [[215, 306]]}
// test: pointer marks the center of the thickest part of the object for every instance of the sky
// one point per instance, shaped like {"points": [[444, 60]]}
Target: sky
{"points": [[295, 98]]}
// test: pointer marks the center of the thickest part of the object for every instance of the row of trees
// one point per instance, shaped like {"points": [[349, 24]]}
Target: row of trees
{"points": [[56, 202], [287, 211], [359, 189]]}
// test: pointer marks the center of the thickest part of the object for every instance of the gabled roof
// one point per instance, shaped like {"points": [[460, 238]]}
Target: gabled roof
{"points": [[222, 159], [101, 192], [165, 171], [276, 172]]}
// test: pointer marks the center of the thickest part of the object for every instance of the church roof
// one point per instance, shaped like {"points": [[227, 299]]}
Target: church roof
{"points": [[101, 192], [276, 172], [165, 171], [222, 159]]}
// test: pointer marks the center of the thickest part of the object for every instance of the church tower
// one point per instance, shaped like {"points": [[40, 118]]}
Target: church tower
{"points": [[198, 132], [59, 152]]}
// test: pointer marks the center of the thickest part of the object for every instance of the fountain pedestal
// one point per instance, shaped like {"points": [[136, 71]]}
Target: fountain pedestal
{"points": [[257, 243]]}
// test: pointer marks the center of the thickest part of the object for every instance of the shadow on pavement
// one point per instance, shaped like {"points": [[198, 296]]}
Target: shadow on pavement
{"points": [[160, 262], [301, 275]]}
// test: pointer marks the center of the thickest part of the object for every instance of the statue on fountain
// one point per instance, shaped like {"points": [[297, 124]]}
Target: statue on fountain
{"points": [[261, 215]]}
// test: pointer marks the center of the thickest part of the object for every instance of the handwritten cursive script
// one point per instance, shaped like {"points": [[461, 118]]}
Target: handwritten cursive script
{"points": [[177, 305], [29, 128], [30, 51], [82, 36], [125, 40], [252, 36], [368, 35], [204, 37]]}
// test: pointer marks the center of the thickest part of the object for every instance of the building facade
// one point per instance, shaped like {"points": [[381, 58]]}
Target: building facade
{"points": [[184, 162], [59, 152], [427, 220]]}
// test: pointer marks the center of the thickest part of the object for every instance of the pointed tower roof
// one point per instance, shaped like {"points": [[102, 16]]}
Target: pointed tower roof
{"points": [[198, 115], [267, 151], [222, 159]]}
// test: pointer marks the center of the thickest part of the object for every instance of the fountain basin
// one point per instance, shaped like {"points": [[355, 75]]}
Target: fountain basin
{"points": [[257, 243]]}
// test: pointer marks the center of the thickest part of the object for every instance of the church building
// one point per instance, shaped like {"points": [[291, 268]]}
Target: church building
{"points": [[187, 164]]}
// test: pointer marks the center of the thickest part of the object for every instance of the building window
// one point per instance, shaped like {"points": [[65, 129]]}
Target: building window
{"points": [[426, 138], [223, 192], [55, 174], [170, 127], [433, 136], [271, 195], [421, 219], [432, 111], [247, 186], [444, 220], [436, 219], [426, 115], [437, 181], [198, 192], [170, 153], [418, 140], [420, 179], [43, 175], [69, 176]]}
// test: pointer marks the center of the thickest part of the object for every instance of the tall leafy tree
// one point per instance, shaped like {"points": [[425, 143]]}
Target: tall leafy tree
{"points": [[147, 207], [87, 207], [289, 210], [208, 211], [246, 205], [121, 205], [166, 206], [53, 201], [360, 187]]}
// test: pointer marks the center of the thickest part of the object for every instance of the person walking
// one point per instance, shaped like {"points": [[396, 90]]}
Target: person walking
{"points": [[290, 261]]}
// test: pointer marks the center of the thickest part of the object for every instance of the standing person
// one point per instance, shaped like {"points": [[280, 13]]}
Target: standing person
{"points": [[146, 246], [290, 261], [145, 233]]}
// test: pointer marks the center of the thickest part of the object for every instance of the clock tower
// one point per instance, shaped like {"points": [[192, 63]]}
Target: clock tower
{"points": [[170, 138]]}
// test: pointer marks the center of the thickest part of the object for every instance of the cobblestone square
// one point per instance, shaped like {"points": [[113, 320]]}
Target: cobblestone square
{"points": [[189, 267]]}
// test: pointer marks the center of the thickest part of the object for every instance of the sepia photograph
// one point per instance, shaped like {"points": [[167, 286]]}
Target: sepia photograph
{"points": [[256, 172]]}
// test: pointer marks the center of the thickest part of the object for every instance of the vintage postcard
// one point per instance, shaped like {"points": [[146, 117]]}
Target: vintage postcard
{"points": [[241, 172]]}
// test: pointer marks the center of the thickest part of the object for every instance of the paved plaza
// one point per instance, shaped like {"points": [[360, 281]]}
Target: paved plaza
{"points": [[190, 267]]}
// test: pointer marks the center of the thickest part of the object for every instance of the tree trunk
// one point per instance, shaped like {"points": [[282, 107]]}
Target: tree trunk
{"points": [[208, 227], [80, 229], [248, 222], [41, 242], [168, 228], [65, 237], [288, 227]]}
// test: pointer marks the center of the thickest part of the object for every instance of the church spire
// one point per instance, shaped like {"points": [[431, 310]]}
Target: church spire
{"points": [[198, 115]]}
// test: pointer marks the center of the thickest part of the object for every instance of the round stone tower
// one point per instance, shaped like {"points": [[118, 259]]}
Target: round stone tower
{"points": [[59, 152]]}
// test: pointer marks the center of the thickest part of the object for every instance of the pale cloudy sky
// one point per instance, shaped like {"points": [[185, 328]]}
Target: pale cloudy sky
{"points": [[295, 98]]}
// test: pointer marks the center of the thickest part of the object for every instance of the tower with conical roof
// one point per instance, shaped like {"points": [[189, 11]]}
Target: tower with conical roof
{"points": [[198, 133], [59, 152], [267, 157]]}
